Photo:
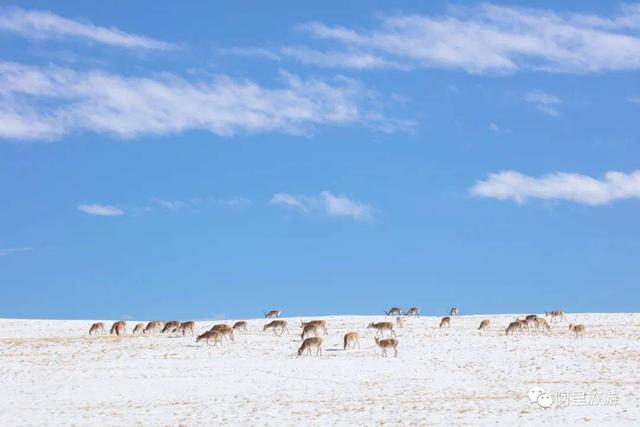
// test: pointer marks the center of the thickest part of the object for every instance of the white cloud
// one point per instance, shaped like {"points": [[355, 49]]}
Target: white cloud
{"points": [[560, 186], [9, 251], [544, 102], [36, 24], [327, 202], [635, 99], [169, 204], [49, 102], [495, 39], [100, 210]]}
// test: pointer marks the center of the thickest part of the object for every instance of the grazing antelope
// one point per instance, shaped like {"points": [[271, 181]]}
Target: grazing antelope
{"points": [[386, 344], [351, 339], [400, 322], [524, 325], [311, 342], [578, 330], [484, 325], [413, 311], [513, 327], [224, 331], [170, 327], [138, 329], [453, 311], [97, 327], [531, 319], [187, 326], [210, 336], [272, 313], [154, 326], [394, 311], [319, 323], [446, 321], [119, 328], [541, 323], [277, 324], [308, 329], [240, 326], [380, 327], [555, 315]]}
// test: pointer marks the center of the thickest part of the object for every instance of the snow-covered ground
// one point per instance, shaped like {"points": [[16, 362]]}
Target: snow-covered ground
{"points": [[53, 373]]}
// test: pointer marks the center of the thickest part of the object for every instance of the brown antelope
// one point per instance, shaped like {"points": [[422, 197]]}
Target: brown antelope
{"points": [[187, 326], [119, 328], [170, 327], [224, 331], [138, 329], [380, 327], [541, 323], [210, 336], [351, 339], [386, 344], [394, 311], [555, 315], [272, 313], [484, 325], [277, 324], [531, 319], [446, 321], [311, 342], [578, 330], [400, 322], [97, 327], [240, 326], [413, 311], [513, 327], [154, 326], [308, 329], [453, 311], [524, 325], [319, 323]]}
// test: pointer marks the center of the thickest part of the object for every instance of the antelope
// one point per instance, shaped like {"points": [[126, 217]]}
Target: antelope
{"points": [[119, 328], [386, 344], [446, 321], [210, 336], [484, 325], [240, 326], [578, 330], [453, 311], [351, 339], [139, 328], [187, 326], [97, 327], [413, 311], [154, 326], [277, 324], [394, 311], [380, 327], [311, 342], [555, 314], [170, 327], [531, 319], [541, 323], [524, 325], [272, 313], [308, 328], [513, 327], [223, 330], [400, 322], [319, 323]]}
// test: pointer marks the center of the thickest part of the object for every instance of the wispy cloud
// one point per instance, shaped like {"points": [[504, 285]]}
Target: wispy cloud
{"points": [[327, 202], [635, 99], [490, 39], [49, 102], [38, 24], [9, 251], [544, 102], [100, 210], [560, 186]]}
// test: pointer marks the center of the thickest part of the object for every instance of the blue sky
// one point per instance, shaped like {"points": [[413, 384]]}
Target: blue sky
{"points": [[163, 160]]}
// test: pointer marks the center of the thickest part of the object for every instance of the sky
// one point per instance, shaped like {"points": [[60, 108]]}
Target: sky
{"points": [[201, 161]]}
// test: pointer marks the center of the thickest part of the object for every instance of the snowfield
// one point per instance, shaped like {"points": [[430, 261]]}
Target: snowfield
{"points": [[53, 373]]}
